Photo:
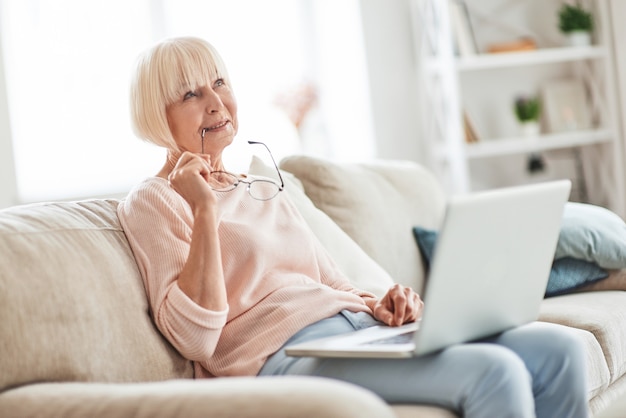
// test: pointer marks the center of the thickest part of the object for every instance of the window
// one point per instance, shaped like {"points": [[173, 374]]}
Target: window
{"points": [[68, 66]]}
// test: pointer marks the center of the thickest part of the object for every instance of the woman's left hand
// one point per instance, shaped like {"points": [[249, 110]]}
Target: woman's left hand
{"points": [[399, 306]]}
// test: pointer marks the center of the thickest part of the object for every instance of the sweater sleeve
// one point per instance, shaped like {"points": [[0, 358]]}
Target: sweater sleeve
{"points": [[158, 225]]}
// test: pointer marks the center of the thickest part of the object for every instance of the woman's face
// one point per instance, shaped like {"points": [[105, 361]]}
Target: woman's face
{"points": [[211, 108]]}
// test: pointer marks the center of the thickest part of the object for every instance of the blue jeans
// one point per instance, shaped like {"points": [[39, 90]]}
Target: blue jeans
{"points": [[533, 370]]}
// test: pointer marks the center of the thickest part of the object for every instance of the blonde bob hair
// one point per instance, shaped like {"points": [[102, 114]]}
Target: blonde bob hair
{"points": [[164, 73]]}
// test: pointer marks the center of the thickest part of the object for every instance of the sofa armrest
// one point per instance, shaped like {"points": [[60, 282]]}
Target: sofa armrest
{"points": [[241, 397]]}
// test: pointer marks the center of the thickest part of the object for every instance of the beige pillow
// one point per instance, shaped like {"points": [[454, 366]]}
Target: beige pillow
{"points": [[615, 281], [376, 204], [364, 273]]}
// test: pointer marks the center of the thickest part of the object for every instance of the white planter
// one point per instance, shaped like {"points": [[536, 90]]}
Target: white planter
{"points": [[579, 38], [530, 128]]}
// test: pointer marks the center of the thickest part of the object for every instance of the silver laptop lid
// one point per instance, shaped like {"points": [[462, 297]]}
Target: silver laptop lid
{"points": [[491, 263]]}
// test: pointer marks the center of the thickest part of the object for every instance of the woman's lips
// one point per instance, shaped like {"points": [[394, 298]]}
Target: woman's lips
{"points": [[216, 127]]}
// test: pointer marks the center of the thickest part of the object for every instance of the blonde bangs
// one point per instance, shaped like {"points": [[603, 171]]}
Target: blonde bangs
{"points": [[187, 68]]}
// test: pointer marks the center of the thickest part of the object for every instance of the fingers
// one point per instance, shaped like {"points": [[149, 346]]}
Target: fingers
{"points": [[189, 164], [190, 178], [188, 158], [399, 306], [383, 314]]}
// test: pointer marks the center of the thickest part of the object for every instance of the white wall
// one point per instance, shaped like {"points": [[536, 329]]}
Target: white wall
{"points": [[392, 69], [8, 188]]}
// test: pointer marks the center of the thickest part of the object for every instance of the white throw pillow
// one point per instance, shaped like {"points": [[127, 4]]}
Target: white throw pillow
{"points": [[594, 234], [364, 273]]}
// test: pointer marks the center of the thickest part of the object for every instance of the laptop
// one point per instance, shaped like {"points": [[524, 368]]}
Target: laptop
{"points": [[489, 272]]}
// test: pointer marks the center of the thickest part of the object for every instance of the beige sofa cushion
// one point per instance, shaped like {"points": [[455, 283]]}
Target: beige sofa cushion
{"points": [[72, 302], [355, 196], [364, 273]]}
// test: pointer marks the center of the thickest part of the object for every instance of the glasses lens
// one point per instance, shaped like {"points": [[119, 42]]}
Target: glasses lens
{"points": [[263, 189], [222, 181]]}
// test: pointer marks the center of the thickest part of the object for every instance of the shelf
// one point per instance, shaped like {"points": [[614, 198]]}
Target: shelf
{"points": [[525, 58], [485, 86], [522, 145]]}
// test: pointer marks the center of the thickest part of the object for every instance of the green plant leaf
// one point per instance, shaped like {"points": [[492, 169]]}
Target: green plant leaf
{"points": [[574, 18]]}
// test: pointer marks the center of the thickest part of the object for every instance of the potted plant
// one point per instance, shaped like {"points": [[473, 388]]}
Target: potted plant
{"points": [[528, 110], [576, 23]]}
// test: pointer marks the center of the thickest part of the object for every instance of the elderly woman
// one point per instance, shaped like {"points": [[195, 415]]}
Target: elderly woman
{"points": [[233, 273]]}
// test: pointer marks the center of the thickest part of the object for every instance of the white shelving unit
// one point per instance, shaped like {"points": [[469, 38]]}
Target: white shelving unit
{"points": [[484, 85]]}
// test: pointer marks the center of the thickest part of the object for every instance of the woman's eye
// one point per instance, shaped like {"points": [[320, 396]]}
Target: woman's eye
{"points": [[219, 82], [189, 95]]}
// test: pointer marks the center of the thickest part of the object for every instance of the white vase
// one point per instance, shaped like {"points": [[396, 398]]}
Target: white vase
{"points": [[579, 38], [530, 128]]}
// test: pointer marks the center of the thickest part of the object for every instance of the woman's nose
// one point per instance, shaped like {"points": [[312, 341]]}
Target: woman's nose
{"points": [[213, 102]]}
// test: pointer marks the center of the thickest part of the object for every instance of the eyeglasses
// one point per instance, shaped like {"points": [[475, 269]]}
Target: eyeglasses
{"points": [[258, 189]]}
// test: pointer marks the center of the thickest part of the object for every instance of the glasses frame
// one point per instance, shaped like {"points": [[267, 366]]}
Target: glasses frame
{"points": [[280, 186]]}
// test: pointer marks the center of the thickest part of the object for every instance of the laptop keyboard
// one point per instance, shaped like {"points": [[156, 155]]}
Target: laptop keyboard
{"points": [[405, 338]]}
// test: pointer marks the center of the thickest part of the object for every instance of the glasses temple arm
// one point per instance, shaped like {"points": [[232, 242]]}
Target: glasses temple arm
{"points": [[282, 183]]}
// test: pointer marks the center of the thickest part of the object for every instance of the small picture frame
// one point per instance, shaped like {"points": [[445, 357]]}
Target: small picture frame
{"points": [[565, 106]]}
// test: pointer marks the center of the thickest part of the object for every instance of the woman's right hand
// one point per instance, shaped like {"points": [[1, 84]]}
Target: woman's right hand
{"points": [[191, 179]]}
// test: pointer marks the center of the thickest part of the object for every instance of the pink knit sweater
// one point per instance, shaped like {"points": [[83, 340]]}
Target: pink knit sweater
{"points": [[278, 276]]}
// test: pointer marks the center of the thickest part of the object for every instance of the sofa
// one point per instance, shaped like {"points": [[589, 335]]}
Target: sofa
{"points": [[77, 338]]}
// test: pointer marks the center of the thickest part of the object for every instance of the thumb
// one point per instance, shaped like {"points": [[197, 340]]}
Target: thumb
{"points": [[384, 315]]}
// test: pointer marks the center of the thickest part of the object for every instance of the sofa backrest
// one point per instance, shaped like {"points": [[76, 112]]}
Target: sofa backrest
{"points": [[377, 204], [72, 302]]}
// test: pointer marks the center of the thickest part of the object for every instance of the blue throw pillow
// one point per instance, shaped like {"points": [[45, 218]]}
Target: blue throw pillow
{"points": [[569, 273], [566, 274], [592, 233], [426, 240]]}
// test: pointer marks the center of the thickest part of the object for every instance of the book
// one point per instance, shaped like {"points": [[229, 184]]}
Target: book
{"points": [[524, 44], [471, 136], [462, 28]]}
